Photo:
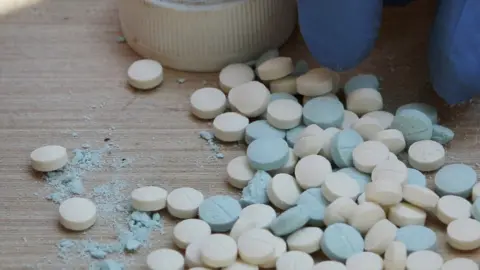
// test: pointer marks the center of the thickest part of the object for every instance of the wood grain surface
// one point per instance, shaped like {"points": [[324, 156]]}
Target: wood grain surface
{"points": [[62, 71]]}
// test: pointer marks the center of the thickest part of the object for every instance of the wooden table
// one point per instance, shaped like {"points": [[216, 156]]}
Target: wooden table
{"points": [[62, 72]]}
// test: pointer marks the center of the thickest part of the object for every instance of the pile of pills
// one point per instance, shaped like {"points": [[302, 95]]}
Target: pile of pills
{"points": [[317, 176]]}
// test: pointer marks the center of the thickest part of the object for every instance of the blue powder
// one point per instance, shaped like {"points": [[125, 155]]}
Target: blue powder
{"points": [[214, 148], [256, 190], [111, 198]]}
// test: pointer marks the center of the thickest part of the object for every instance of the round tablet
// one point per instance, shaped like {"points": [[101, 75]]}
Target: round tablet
{"points": [[455, 179], [284, 113], [415, 177], [324, 111], [289, 167], [424, 260], [365, 261], [338, 184], [306, 99], [270, 54], [361, 198], [341, 241], [241, 226], [255, 246], [426, 109], [235, 75], [267, 154], [414, 125], [361, 81], [250, 99], [364, 100], [384, 118], [77, 214], [416, 238], [218, 250], [313, 200], [391, 169], [450, 208], [165, 259], [149, 198], [404, 214], [240, 265], [395, 256], [207, 103], [294, 260], [184, 202], [367, 128], [220, 212], [329, 265], [426, 156], [342, 146], [365, 216], [339, 211], [189, 231], [361, 178], [239, 172], [260, 214], [49, 158], [464, 234], [283, 191], [275, 68], [369, 154], [290, 221], [292, 134], [420, 196], [306, 239], [380, 236], [349, 119], [145, 74], [475, 192], [476, 209], [309, 145], [192, 254], [328, 135], [316, 82], [262, 129], [230, 126], [392, 138], [284, 85], [460, 263], [280, 248], [442, 135], [311, 171]]}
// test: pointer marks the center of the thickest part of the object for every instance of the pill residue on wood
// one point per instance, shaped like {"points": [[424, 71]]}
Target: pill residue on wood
{"points": [[214, 147]]}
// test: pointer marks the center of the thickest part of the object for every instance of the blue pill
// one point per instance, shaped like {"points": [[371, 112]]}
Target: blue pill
{"points": [[290, 221], [313, 200], [342, 146], [324, 111], [428, 110], [256, 190], [441, 134], [268, 153], [220, 212], [362, 178], [415, 177], [277, 96], [262, 129], [414, 125], [416, 238], [361, 81], [292, 134], [341, 241], [455, 179]]}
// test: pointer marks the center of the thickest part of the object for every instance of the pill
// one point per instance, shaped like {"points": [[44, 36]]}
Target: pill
{"points": [[292, 134], [361, 178], [392, 170], [364, 100], [392, 138], [230, 126], [77, 214], [255, 247], [190, 230], [306, 99], [261, 215], [338, 184], [279, 96], [369, 154], [441, 134], [241, 226], [262, 129], [220, 212], [250, 99], [420, 196], [240, 265], [218, 250], [341, 241], [342, 146], [199, 268], [361, 81], [165, 259], [49, 158], [349, 119], [145, 74], [329, 265], [367, 127], [192, 254], [384, 118], [312, 199], [239, 172], [290, 221], [415, 177], [475, 211], [256, 189], [339, 211], [275, 68], [280, 248], [460, 263], [455, 179], [450, 208], [365, 216], [284, 85], [284, 114], [294, 260], [184, 202], [464, 234], [283, 191], [328, 135], [306, 239], [426, 156], [311, 171], [475, 192], [426, 109], [289, 167], [268, 153], [270, 54], [365, 261], [235, 75], [404, 214], [414, 125], [380, 236], [416, 238], [324, 111], [208, 103], [309, 145], [424, 260], [395, 257], [310, 130], [316, 82], [301, 67], [361, 198], [149, 198]]}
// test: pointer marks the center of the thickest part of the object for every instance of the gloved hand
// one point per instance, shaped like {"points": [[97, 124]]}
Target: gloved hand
{"points": [[341, 33]]}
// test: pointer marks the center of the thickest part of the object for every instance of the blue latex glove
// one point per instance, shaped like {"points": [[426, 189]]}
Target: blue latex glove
{"points": [[341, 33]]}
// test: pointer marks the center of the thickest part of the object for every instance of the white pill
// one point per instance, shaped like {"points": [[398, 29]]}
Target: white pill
{"points": [[395, 257], [260, 214], [145, 74], [310, 145], [365, 261], [367, 128], [218, 250], [284, 85], [369, 154], [424, 260], [255, 246], [192, 255], [239, 172], [420, 196], [316, 82], [426, 156], [391, 169], [365, 216], [284, 113], [295, 260], [392, 138], [380, 236], [283, 191], [240, 265], [328, 135], [208, 103], [250, 99], [234, 75], [241, 226], [384, 192], [306, 239], [392, 156], [338, 184], [230, 126], [149, 198], [311, 171], [475, 192], [311, 130], [275, 68], [404, 214], [450, 208], [184, 202], [289, 167], [339, 211], [364, 100], [329, 265], [280, 248], [165, 259], [385, 118], [49, 158], [189, 231], [77, 214], [464, 234], [349, 119], [460, 263], [361, 198]]}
